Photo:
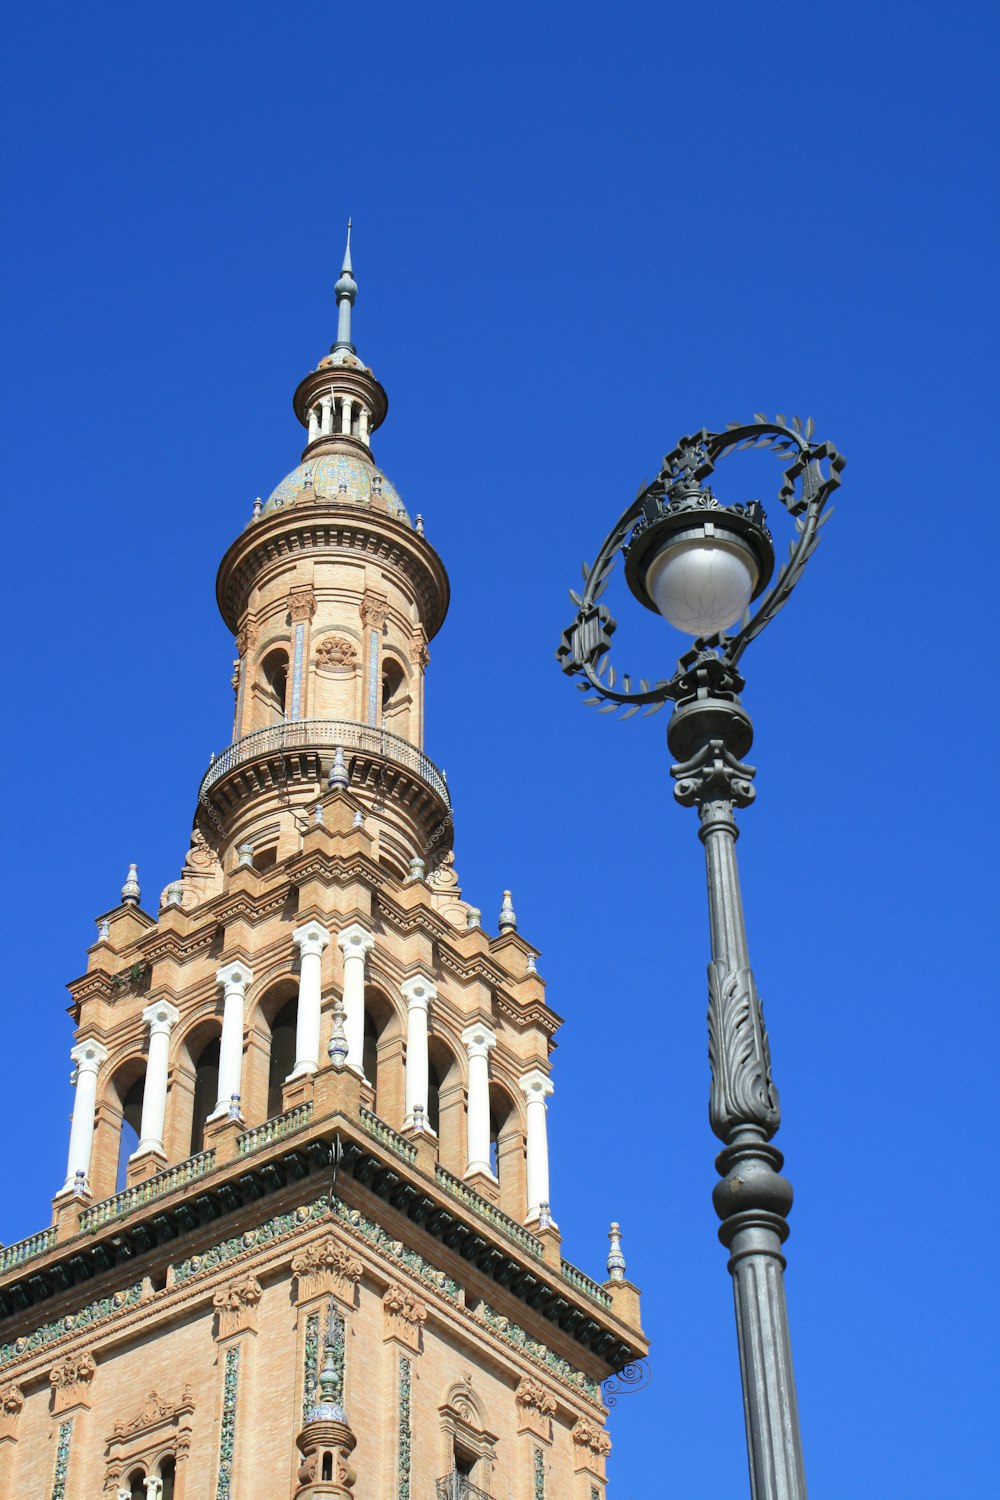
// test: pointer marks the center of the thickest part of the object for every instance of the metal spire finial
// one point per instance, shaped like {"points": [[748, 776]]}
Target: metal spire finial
{"points": [[345, 291]]}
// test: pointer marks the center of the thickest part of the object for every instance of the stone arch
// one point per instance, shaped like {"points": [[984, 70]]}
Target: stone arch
{"points": [[446, 1078], [270, 1056], [194, 1091], [508, 1147], [383, 1050], [467, 1444], [119, 1112], [336, 675], [396, 692]]}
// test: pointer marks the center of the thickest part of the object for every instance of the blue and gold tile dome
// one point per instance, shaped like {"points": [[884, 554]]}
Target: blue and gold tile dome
{"points": [[344, 477]]}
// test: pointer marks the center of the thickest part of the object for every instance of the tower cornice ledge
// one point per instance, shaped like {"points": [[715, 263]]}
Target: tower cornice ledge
{"points": [[318, 526]]}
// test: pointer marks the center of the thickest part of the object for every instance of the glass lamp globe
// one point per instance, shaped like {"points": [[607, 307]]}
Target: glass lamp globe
{"points": [[702, 584]]}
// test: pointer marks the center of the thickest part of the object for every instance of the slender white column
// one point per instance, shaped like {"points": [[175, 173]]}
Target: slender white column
{"points": [[89, 1057], [536, 1087], [326, 423], [234, 979], [313, 423], [310, 939], [418, 991], [346, 411], [479, 1043], [355, 944], [161, 1017], [363, 424]]}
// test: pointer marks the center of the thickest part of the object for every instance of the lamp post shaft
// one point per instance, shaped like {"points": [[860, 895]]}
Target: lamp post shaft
{"points": [[752, 1199]]}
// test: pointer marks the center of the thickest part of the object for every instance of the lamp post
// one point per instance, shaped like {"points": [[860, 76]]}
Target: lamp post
{"points": [[702, 564]]}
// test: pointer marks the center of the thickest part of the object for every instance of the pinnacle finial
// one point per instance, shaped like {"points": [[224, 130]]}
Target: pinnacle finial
{"points": [[131, 893], [616, 1260], [508, 921], [345, 291]]}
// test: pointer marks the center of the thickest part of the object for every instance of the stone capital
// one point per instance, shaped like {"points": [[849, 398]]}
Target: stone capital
{"points": [[234, 977], [302, 603], [535, 1085], [418, 991], [161, 1016], [89, 1056], [11, 1402], [70, 1381], [478, 1040], [236, 1304], [355, 941], [311, 939]]}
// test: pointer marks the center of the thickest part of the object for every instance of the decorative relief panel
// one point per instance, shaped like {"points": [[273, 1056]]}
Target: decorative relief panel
{"points": [[227, 1434], [236, 1305], [535, 1408], [591, 1446], [403, 1317], [335, 652], [405, 1433], [11, 1402], [326, 1267], [158, 1427], [62, 1459], [70, 1381], [301, 603]]}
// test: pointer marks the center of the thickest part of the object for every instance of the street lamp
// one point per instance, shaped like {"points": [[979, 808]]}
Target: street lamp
{"points": [[702, 564]]}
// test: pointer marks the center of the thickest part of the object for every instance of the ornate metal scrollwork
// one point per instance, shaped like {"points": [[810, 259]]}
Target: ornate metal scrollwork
{"points": [[807, 483], [634, 1376]]}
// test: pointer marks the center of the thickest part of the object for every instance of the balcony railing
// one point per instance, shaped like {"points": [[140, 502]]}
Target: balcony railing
{"points": [[165, 1182], [489, 1212], [458, 1487], [388, 1137], [35, 1244], [274, 1129], [584, 1284], [326, 734]]}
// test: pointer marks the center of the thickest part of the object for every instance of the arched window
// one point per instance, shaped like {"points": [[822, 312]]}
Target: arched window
{"points": [[433, 1098], [137, 1484], [206, 1092], [327, 1466], [381, 1024], [370, 1056], [507, 1150], [395, 699], [168, 1471], [274, 684], [282, 1054], [131, 1124]]}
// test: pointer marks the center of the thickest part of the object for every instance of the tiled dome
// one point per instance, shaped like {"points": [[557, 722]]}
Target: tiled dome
{"points": [[344, 477]]}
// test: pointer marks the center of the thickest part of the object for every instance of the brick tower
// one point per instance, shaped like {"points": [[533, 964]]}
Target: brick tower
{"points": [[304, 1245]]}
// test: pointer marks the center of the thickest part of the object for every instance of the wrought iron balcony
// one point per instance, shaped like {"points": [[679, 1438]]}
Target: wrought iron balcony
{"points": [[326, 734], [458, 1487]]}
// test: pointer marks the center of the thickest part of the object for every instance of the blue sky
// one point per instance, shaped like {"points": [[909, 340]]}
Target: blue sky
{"points": [[580, 231]]}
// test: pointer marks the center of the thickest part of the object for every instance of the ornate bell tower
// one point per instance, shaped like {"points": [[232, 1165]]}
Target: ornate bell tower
{"points": [[304, 1246]]}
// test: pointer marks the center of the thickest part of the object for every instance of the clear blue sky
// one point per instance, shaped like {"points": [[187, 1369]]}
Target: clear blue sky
{"points": [[580, 232]]}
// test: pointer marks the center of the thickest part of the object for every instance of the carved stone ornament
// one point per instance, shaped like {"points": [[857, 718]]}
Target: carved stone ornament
{"points": [[301, 603], [535, 1409], [419, 654], [157, 1427], [592, 1446], [153, 1412], [326, 1267], [404, 1316], [334, 651], [236, 1304], [374, 612], [11, 1402], [70, 1381], [246, 638]]}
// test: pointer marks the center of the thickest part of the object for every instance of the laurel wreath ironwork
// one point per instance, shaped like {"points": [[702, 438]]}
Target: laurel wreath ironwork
{"points": [[807, 484]]}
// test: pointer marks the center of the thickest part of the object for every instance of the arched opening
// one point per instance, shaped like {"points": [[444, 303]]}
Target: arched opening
{"points": [[446, 1102], [274, 685], [383, 1033], [206, 1092], [282, 1059], [137, 1484], [168, 1472], [395, 697], [131, 1124], [507, 1150], [433, 1098], [327, 1466]]}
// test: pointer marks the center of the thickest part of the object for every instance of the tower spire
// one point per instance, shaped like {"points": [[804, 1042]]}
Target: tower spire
{"points": [[346, 290]]}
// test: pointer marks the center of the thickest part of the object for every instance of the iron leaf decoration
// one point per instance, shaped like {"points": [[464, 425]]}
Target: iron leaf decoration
{"points": [[808, 481]]}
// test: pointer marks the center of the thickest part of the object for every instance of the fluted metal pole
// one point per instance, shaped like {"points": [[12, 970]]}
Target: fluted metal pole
{"points": [[752, 1199]]}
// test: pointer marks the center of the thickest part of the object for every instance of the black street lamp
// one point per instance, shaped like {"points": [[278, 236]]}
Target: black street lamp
{"points": [[701, 564]]}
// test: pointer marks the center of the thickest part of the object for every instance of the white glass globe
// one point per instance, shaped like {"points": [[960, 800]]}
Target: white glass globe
{"points": [[702, 584]]}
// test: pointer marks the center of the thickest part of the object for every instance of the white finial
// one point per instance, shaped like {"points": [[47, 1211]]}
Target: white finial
{"points": [[345, 291], [318, 813], [130, 890], [174, 894], [338, 776], [616, 1260], [474, 917], [532, 968], [258, 506], [103, 930], [337, 1048], [418, 525], [245, 854], [358, 821], [417, 869], [508, 920]]}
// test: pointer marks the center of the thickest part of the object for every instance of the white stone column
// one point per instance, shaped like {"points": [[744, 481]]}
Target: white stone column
{"points": [[89, 1058], [479, 1042], [326, 422], [418, 991], [536, 1086], [161, 1017], [310, 939], [313, 423], [355, 944], [346, 412], [363, 424], [234, 979]]}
